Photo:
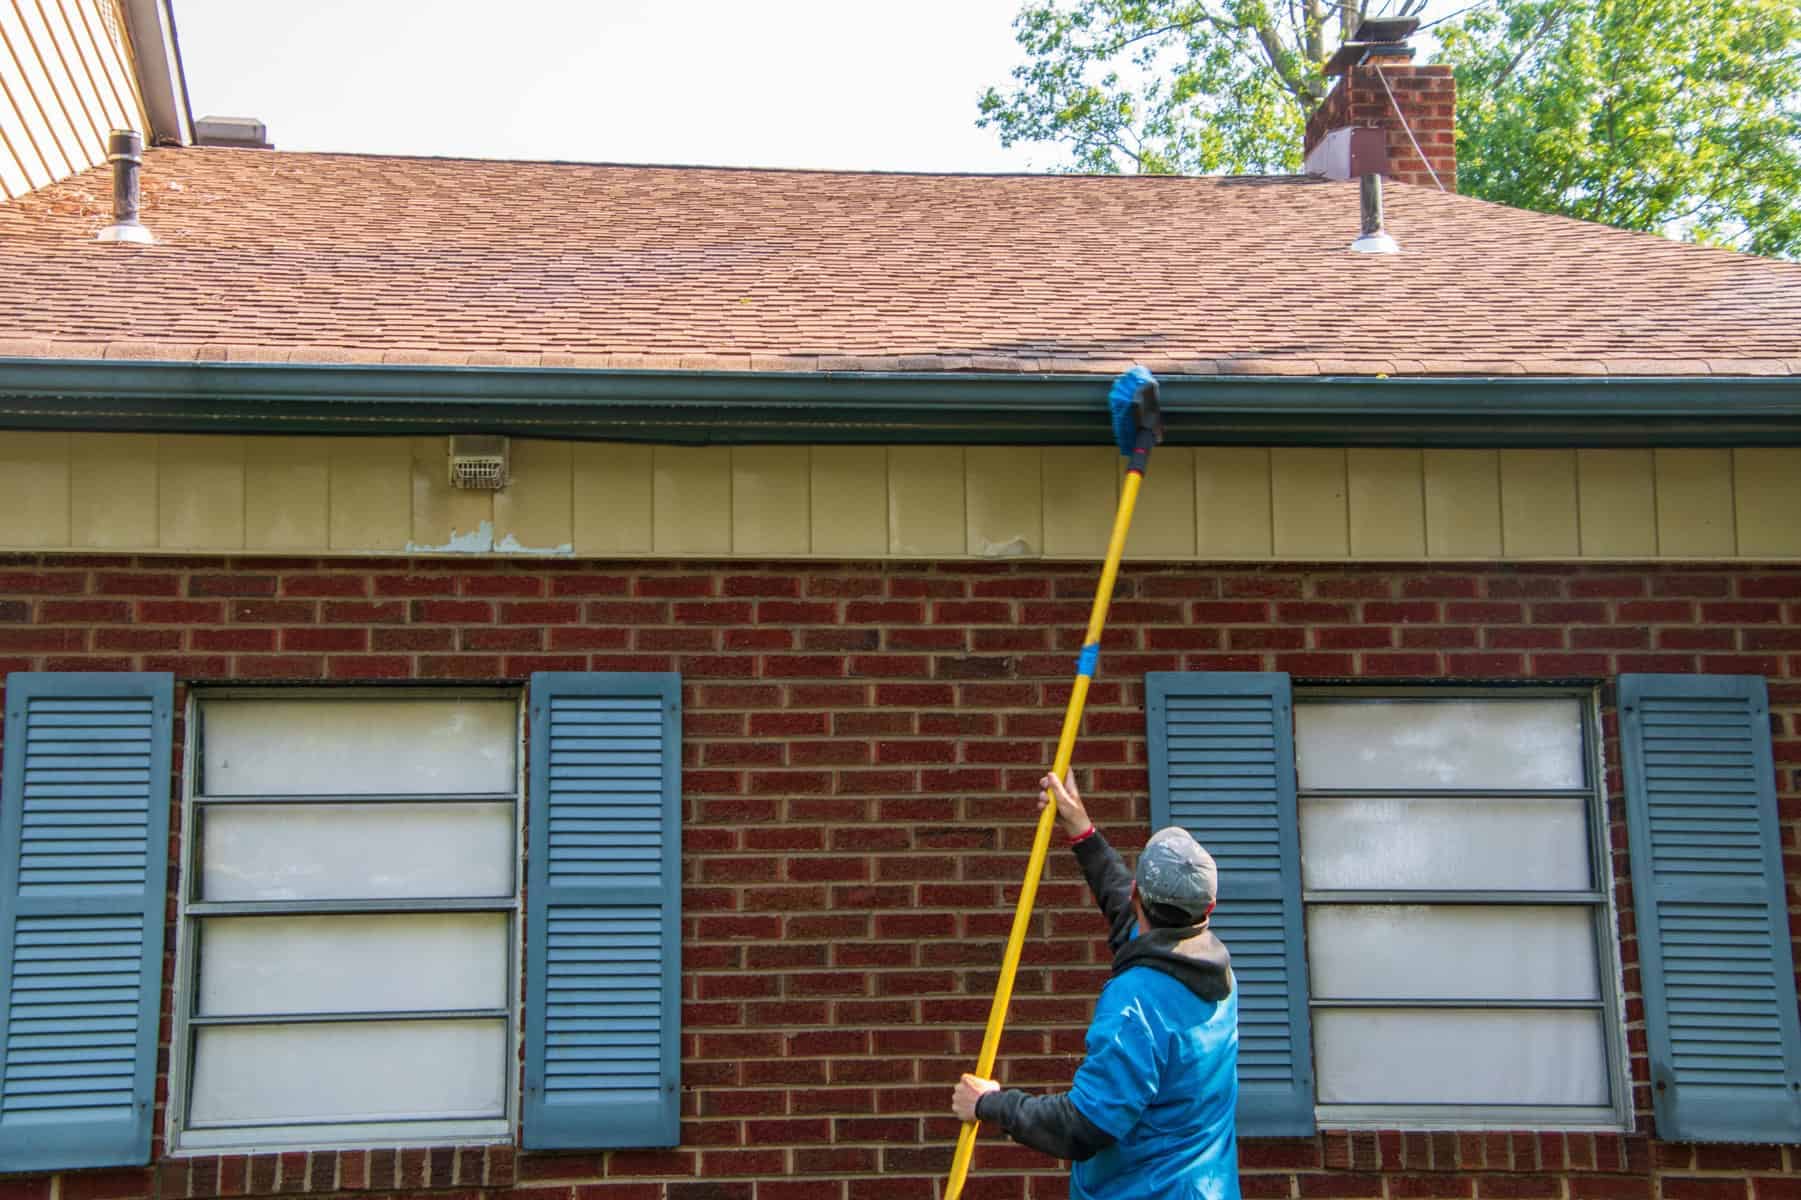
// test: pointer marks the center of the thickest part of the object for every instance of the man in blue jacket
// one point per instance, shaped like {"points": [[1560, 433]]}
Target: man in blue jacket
{"points": [[1151, 1115]]}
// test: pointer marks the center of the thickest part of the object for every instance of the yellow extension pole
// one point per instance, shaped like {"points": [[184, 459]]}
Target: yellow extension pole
{"points": [[1047, 820]]}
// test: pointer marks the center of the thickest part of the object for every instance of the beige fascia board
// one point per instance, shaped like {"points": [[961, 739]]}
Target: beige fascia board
{"points": [[156, 61]]}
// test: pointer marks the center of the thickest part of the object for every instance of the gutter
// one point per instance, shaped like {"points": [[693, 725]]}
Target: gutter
{"points": [[740, 407]]}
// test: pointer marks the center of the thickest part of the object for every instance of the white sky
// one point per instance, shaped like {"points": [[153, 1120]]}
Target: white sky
{"points": [[851, 85], [839, 84]]}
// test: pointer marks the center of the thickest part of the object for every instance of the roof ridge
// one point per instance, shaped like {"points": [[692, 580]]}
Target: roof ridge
{"points": [[726, 167]]}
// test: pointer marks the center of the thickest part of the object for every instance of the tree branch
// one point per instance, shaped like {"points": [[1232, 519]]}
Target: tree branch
{"points": [[1538, 35], [1172, 27], [1642, 210], [1136, 157], [1462, 12], [1315, 20], [1272, 50], [1600, 204], [1159, 31]]}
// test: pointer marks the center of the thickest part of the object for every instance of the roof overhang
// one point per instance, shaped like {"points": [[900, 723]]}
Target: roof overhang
{"points": [[157, 64], [742, 407]]}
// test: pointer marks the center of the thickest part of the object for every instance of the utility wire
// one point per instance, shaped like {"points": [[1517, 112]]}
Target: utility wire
{"points": [[1462, 12], [1408, 128]]}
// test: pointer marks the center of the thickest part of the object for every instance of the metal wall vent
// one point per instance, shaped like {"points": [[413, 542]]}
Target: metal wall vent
{"points": [[478, 462]]}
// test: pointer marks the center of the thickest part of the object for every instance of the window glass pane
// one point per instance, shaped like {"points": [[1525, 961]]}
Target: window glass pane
{"points": [[1438, 744], [1460, 1056], [373, 1071], [356, 852], [1446, 843], [343, 1134], [261, 966], [358, 747], [1451, 952]]}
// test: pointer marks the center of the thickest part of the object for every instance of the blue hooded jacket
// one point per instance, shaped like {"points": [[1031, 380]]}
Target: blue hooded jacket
{"points": [[1152, 1113], [1161, 1077]]}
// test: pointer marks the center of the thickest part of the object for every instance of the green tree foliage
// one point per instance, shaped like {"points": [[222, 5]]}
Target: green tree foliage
{"points": [[1682, 116], [1646, 114]]}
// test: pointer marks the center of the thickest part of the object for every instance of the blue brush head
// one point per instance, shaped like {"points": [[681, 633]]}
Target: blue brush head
{"points": [[1123, 401]]}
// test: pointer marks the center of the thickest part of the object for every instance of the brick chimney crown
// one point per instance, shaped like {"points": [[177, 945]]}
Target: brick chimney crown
{"points": [[1358, 132]]}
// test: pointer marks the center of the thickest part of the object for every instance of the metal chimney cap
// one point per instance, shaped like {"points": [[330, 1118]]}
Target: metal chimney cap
{"points": [[1385, 29], [1376, 37]]}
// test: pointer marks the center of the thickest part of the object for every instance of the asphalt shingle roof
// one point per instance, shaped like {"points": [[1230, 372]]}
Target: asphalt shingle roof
{"points": [[296, 257]]}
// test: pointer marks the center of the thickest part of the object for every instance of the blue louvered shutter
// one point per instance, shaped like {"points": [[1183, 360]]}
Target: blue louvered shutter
{"points": [[603, 922], [1222, 767], [1713, 929], [84, 829]]}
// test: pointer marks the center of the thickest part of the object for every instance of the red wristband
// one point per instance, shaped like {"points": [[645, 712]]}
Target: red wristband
{"points": [[1083, 836]]}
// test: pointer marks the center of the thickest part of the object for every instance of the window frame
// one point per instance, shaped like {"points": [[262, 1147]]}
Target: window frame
{"points": [[1601, 900], [179, 1139]]}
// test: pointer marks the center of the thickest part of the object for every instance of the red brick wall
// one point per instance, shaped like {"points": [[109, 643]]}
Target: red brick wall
{"points": [[861, 746], [1428, 95]]}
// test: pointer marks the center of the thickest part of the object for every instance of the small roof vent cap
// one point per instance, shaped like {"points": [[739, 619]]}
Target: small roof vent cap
{"points": [[243, 133], [125, 150], [1374, 237]]}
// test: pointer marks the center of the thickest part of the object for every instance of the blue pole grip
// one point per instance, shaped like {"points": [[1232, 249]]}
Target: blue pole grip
{"points": [[1090, 659]]}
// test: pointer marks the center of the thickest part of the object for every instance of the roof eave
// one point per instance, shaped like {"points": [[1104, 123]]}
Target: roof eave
{"points": [[162, 82], [739, 407]]}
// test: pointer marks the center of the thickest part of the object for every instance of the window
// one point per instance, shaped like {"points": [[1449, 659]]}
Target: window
{"points": [[1454, 883], [349, 920], [1425, 901]]}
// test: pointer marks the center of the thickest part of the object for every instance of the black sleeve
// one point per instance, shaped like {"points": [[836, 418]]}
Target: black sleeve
{"points": [[1052, 1124], [1111, 884]]}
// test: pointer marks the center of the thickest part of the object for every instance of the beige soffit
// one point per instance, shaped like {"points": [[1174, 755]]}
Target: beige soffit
{"points": [[360, 496]]}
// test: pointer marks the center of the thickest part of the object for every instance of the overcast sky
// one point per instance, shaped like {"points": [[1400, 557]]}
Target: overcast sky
{"points": [[840, 84], [847, 84]]}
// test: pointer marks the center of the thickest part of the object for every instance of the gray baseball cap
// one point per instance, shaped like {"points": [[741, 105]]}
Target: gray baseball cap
{"points": [[1176, 873]]}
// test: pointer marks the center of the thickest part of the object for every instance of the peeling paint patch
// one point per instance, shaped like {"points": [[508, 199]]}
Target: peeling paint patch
{"points": [[1011, 548], [479, 540], [510, 545]]}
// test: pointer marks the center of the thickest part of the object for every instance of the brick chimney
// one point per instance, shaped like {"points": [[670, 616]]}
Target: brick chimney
{"points": [[1357, 130]]}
